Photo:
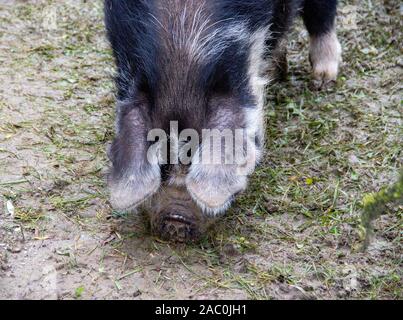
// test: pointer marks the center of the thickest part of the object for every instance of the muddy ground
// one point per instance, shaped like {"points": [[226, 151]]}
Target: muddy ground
{"points": [[295, 234]]}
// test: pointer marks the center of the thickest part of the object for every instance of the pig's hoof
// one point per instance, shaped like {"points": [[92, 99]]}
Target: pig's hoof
{"points": [[324, 75], [322, 83], [176, 228], [325, 57]]}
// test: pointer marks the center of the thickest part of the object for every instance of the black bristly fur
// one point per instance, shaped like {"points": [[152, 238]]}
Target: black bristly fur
{"points": [[174, 89], [135, 41]]}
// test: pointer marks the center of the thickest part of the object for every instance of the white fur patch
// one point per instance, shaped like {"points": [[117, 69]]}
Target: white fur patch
{"points": [[193, 31], [258, 69], [325, 54], [139, 184], [214, 183], [213, 187]]}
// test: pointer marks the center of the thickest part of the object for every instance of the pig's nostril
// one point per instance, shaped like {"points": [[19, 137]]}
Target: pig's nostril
{"points": [[179, 228], [178, 218], [171, 229], [182, 232]]}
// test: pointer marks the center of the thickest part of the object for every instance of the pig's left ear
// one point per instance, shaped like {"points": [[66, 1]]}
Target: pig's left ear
{"points": [[213, 185], [133, 178]]}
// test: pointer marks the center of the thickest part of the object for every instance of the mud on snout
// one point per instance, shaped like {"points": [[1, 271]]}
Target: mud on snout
{"points": [[174, 216], [172, 213]]}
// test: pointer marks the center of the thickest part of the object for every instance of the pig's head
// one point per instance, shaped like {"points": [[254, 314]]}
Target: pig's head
{"points": [[203, 75], [182, 194]]}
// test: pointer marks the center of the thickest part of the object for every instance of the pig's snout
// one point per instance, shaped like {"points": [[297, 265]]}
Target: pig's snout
{"points": [[177, 226], [174, 216]]}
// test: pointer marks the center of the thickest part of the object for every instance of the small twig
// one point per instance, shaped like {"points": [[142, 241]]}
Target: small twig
{"points": [[11, 183], [138, 269], [22, 232]]}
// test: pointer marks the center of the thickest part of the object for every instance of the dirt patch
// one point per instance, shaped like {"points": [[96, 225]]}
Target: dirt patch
{"points": [[294, 235]]}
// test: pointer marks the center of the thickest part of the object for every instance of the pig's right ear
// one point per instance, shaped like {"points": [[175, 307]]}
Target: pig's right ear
{"points": [[214, 184], [133, 178]]}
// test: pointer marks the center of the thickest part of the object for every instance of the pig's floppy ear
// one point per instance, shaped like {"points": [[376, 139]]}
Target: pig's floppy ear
{"points": [[213, 185], [133, 177]]}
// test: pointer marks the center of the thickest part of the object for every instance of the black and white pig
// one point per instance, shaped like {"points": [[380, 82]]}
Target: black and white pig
{"points": [[199, 66]]}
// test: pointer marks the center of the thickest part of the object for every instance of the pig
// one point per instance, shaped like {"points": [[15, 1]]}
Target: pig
{"points": [[200, 66]]}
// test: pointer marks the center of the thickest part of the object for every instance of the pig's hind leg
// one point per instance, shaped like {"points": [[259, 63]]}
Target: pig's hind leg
{"points": [[325, 50]]}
